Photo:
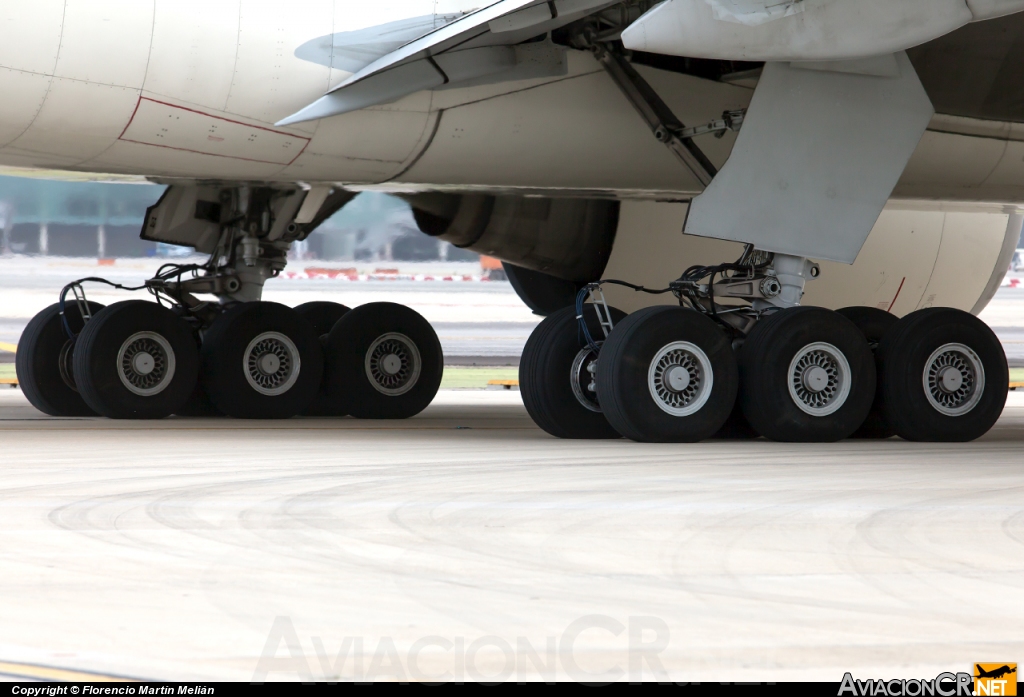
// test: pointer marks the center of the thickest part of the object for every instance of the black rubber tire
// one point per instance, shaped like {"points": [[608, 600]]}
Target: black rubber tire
{"points": [[37, 362], [764, 367], [224, 375], [198, 404], [902, 356], [873, 324], [622, 375], [96, 361], [736, 427], [544, 376], [322, 316], [352, 338]]}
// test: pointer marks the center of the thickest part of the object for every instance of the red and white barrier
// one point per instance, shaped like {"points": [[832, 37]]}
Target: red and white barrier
{"points": [[314, 272]]}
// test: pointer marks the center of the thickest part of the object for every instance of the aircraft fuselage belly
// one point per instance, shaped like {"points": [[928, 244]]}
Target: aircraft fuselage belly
{"points": [[188, 89]]}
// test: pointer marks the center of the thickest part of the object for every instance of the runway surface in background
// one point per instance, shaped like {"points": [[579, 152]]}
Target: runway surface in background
{"points": [[476, 321], [171, 549]]}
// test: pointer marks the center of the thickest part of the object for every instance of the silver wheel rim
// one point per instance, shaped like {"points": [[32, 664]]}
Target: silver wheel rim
{"points": [[819, 379], [680, 379], [271, 364], [953, 379], [393, 364], [146, 364], [66, 364], [581, 373]]}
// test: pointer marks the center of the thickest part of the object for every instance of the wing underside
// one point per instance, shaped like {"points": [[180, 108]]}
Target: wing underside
{"points": [[483, 46]]}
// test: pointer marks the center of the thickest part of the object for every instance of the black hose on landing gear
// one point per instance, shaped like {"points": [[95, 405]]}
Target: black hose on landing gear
{"points": [[581, 298], [80, 300], [165, 273]]}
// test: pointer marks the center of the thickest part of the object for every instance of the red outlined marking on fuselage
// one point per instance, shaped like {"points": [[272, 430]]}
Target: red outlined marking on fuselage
{"points": [[897, 294], [304, 139]]}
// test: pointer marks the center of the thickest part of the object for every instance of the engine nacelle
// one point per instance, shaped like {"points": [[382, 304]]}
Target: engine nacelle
{"points": [[802, 30], [567, 238]]}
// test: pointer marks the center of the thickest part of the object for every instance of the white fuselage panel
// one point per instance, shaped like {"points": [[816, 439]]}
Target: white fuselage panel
{"points": [[183, 88]]}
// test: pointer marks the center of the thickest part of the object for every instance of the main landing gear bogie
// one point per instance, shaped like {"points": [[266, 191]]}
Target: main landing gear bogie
{"points": [[234, 355], [254, 360], [801, 374]]}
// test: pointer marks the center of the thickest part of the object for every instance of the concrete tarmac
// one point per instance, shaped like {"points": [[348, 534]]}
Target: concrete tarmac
{"points": [[465, 543]]}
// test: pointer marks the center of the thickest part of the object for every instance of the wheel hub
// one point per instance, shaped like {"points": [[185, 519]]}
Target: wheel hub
{"points": [[145, 364], [680, 378], [950, 380], [271, 364], [67, 365], [393, 364], [583, 379], [954, 379], [816, 379], [268, 363], [819, 379]]}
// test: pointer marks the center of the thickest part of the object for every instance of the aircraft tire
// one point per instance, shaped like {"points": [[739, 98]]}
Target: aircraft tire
{"points": [[43, 346], [384, 361], [736, 427], [806, 375], [261, 360], [198, 404], [923, 398], [323, 315], [553, 377], [873, 323], [667, 375], [136, 360]]}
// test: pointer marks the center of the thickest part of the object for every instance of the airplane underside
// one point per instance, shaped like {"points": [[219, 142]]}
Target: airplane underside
{"points": [[790, 249]]}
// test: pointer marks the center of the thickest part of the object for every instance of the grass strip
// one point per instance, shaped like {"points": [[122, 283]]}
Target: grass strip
{"points": [[467, 378]]}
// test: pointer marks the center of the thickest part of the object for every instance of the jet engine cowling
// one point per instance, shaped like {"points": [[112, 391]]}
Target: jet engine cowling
{"points": [[567, 238]]}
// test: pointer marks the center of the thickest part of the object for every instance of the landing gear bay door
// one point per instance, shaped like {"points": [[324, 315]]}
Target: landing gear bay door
{"points": [[186, 215]]}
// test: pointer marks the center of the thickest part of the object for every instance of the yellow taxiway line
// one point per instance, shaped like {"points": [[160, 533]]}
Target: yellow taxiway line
{"points": [[4, 346], [38, 672]]}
